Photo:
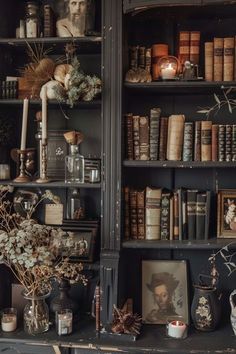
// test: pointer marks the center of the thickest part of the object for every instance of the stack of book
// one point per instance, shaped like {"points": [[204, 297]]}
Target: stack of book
{"points": [[161, 138], [161, 214], [189, 46], [140, 57]]}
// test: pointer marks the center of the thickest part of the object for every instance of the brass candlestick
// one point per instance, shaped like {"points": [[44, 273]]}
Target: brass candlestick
{"points": [[43, 171], [22, 178]]}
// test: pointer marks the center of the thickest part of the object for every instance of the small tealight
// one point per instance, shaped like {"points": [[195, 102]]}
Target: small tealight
{"points": [[9, 319], [176, 327], [64, 319]]}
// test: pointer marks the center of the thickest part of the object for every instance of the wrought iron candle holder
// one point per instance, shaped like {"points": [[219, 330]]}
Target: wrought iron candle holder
{"points": [[22, 178], [43, 171]]}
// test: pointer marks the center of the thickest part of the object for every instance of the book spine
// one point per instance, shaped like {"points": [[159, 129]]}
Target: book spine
{"points": [[214, 141], [158, 51], [206, 140], [153, 213], [197, 141], [207, 216], [221, 142], [129, 136], [133, 214], [175, 137], [191, 213], [148, 59], [154, 132], [144, 138], [165, 216], [234, 58], [176, 217], [218, 59], [209, 61], [48, 21], [194, 46], [141, 57], [228, 142], [127, 213], [136, 137], [184, 215], [200, 216], [234, 143], [228, 72], [184, 46], [133, 55], [163, 138], [188, 142], [141, 214], [171, 217]]}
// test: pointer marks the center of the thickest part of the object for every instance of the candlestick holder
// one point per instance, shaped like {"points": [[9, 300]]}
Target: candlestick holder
{"points": [[43, 171], [22, 178]]}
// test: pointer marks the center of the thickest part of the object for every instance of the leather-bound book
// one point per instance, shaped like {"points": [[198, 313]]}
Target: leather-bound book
{"points": [[176, 217], [133, 56], [144, 138], [165, 215], [136, 137], [235, 58], [158, 51], [141, 57], [148, 59], [184, 214], [218, 59], [209, 61], [163, 138], [191, 213], [184, 46], [234, 143], [141, 214], [200, 215], [48, 21], [188, 142], [228, 72], [129, 136], [171, 217], [214, 142], [206, 140], [221, 142], [127, 213], [153, 213], [228, 142], [194, 46], [197, 141], [154, 132], [208, 212], [133, 214], [175, 137]]}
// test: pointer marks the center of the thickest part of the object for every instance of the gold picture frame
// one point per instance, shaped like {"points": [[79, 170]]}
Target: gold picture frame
{"points": [[226, 214]]}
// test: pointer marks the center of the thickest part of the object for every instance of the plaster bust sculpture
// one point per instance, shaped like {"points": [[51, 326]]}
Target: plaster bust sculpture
{"points": [[74, 24]]}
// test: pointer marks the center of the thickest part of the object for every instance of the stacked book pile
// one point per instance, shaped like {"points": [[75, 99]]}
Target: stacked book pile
{"points": [[171, 138], [161, 214]]}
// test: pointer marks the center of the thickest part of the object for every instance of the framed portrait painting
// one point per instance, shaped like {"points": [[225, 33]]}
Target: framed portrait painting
{"points": [[164, 291], [226, 214]]}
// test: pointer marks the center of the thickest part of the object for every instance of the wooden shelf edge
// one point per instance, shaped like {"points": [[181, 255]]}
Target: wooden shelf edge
{"points": [[179, 84], [52, 184], [79, 104], [50, 40], [179, 164]]}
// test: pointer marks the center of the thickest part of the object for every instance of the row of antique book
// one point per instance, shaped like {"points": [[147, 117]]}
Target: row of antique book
{"points": [[161, 138], [161, 214]]}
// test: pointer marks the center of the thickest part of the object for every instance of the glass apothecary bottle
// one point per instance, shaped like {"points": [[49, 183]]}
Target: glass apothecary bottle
{"points": [[74, 166], [75, 205], [32, 20]]}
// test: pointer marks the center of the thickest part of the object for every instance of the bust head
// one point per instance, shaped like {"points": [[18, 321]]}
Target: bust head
{"points": [[77, 7]]}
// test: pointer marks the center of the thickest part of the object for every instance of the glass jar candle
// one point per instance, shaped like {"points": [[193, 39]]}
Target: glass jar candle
{"points": [[32, 20], [64, 320], [9, 319]]}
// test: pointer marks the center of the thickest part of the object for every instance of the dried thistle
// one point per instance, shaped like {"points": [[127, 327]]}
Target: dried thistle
{"points": [[125, 322]]}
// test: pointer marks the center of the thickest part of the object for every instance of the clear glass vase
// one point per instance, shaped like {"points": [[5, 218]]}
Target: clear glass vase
{"points": [[36, 314], [74, 166]]}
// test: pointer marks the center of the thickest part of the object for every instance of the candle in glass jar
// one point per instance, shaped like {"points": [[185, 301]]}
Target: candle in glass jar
{"points": [[24, 124], [168, 72], [9, 320], [64, 322], [177, 329], [44, 114]]}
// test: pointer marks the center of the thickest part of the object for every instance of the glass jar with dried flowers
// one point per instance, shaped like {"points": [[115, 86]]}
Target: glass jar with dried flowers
{"points": [[32, 252]]}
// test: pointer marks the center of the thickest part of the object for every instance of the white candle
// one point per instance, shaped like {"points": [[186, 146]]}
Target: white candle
{"points": [[9, 322], [44, 114], [24, 124], [64, 322], [176, 329], [168, 72]]}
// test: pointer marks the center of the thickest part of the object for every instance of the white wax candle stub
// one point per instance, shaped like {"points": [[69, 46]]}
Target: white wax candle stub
{"points": [[4, 171], [176, 329], [24, 124], [9, 322], [44, 114], [168, 72]]}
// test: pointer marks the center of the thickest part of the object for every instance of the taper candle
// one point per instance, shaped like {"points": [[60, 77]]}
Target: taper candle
{"points": [[44, 114], [24, 124]]}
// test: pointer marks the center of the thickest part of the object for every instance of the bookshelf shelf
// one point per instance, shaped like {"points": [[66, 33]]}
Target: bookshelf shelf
{"points": [[52, 184], [179, 164], [215, 243], [81, 104]]}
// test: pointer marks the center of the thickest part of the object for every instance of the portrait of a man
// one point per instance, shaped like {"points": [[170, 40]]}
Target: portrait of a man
{"points": [[164, 291], [74, 22]]}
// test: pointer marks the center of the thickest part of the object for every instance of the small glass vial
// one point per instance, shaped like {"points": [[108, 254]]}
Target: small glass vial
{"points": [[74, 166], [32, 20], [75, 205]]}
